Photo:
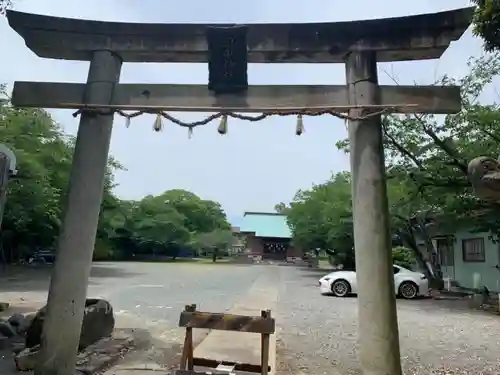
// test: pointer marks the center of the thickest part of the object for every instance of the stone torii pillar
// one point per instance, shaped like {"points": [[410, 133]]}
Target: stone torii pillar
{"points": [[69, 281], [358, 44], [378, 322]]}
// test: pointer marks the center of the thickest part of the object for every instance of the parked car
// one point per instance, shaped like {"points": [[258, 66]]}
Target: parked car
{"points": [[408, 284], [41, 257]]}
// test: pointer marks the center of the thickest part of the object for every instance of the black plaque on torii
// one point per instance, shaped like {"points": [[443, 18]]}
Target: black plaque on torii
{"points": [[227, 59]]}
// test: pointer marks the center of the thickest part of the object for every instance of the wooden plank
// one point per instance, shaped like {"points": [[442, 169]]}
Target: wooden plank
{"points": [[423, 36], [245, 367], [259, 98], [227, 322]]}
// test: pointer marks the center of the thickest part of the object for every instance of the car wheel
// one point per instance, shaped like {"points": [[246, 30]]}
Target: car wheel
{"points": [[341, 288], [408, 290]]}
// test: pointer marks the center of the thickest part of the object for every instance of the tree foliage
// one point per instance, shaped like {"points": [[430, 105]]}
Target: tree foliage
{"points": [[404, 257], [4, 5], [487, 23], [166, 224], [321, 218], [215, 242], [155, 225]]}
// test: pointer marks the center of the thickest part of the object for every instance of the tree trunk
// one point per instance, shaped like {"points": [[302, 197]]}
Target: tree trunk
{"points": [[434, 258], [175, 253], [214, 255], [408, 237]]}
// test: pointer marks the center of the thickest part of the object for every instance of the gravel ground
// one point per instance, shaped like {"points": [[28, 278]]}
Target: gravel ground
{"points": [[318, 334], [152, 295], [147, 297]]}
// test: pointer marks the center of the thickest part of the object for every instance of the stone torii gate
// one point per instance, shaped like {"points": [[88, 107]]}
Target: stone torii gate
{"points": [[228, 49]]}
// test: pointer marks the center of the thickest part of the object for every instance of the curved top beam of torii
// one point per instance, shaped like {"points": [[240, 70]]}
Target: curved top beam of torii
{"points": [[424, 36]]}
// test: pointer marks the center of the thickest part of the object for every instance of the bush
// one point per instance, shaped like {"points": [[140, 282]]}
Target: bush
{"points": [[403, 257]]}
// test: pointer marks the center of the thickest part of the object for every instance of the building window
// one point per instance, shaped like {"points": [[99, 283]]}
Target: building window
{"points": [[473, 250]]}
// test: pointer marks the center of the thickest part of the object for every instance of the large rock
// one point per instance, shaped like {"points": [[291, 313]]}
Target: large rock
{"points": [[16, 319], [98, 322], [21, 322]]}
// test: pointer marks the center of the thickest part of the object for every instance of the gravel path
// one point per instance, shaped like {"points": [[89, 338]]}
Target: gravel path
{"points": [[318, 334]]}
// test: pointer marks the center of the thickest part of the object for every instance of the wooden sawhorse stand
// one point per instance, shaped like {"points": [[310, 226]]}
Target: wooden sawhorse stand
{"points": [[190, 318]]}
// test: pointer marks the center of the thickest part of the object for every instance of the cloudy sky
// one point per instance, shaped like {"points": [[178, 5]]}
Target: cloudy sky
{"points": [[256, 165]]}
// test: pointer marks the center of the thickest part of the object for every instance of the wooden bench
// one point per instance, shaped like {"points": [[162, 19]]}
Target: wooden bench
{"points": [[190, 318]]}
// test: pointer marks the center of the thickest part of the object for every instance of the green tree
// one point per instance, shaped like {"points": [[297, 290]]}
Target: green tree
{"points": [[35, 197], [199, 215], [215, 242], [321, 218], [156, 225], [487, 23], [4, 5], [165, 224]]}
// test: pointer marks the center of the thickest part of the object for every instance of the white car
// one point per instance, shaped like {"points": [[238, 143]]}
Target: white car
{"points": [[408, 284]]}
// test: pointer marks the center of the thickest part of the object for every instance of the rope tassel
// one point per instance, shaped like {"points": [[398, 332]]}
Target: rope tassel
{"points": [[300, 125], [158, 125], [223, 125]]}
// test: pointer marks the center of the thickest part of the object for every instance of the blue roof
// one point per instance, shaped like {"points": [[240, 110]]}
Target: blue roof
{"points": [[266, 225]]}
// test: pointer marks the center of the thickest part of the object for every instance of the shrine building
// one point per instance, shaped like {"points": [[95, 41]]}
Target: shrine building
{"points": [[268, 237]]}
